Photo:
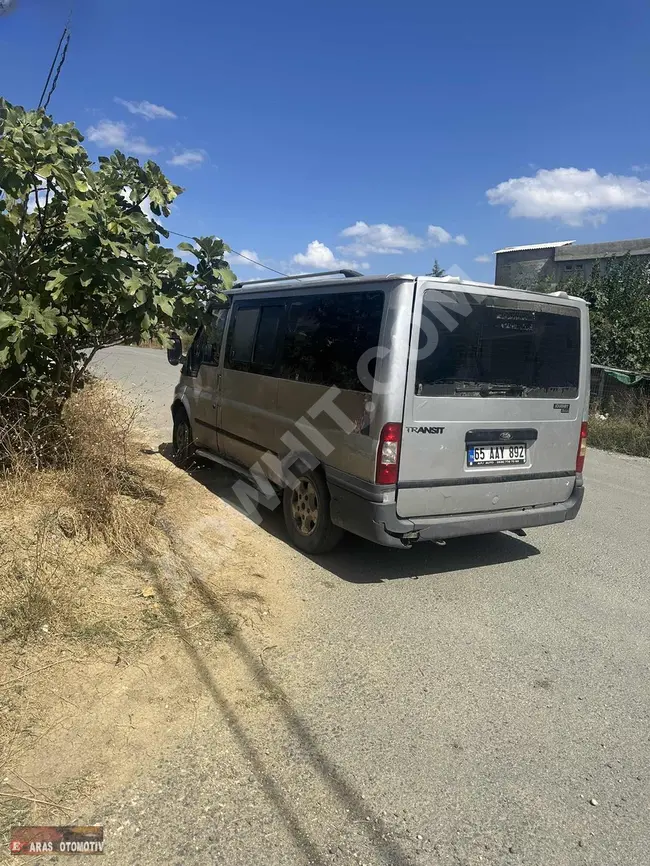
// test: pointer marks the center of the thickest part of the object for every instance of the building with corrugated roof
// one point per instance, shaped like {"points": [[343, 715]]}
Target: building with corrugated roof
{"points": [[523, 267]]}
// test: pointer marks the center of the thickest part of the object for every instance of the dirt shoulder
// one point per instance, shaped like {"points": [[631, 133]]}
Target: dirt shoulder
{"points": [[95, 695]]}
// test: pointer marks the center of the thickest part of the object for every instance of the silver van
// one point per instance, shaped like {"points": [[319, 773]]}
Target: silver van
{"points": [[398, 408]]}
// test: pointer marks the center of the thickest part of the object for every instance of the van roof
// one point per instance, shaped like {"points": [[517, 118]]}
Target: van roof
{"points": [[350, 278]]}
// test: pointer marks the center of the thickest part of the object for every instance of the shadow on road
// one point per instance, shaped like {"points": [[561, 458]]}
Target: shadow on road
{"points": [[380, 834], [359, 561]]}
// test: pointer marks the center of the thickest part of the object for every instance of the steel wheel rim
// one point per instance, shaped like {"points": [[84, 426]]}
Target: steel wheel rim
{"points": [[304, 507], [182, 439]]}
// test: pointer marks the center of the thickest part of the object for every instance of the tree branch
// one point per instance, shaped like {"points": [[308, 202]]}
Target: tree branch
{"points": [[135, 207], [37, 189]]}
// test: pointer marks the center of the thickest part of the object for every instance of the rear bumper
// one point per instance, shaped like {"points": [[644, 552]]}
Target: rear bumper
{"points": [[379, 522]]}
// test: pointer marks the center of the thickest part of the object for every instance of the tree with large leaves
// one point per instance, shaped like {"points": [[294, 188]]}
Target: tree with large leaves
{"points": [[82, 265]]}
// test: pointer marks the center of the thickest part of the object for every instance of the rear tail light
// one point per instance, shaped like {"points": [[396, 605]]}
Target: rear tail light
{"points": [[388, 454], [582, 448]]}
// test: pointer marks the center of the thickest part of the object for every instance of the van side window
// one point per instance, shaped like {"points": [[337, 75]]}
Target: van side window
{"points": [[196, 352], [214, 337], [265, 350], [242, 336], [327, 334]]}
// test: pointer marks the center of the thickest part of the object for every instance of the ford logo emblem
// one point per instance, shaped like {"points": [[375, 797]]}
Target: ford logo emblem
{"points": [[505, 435]]}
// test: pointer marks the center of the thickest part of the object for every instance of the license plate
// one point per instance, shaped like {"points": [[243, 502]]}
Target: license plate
{"points": [[495, 455]]}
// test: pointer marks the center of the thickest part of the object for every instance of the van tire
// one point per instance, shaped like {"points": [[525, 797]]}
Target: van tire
{"points": [[306, 510], [183, 439]]}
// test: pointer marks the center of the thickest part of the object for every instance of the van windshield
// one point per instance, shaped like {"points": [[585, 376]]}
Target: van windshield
{"points": [[497, 347]]}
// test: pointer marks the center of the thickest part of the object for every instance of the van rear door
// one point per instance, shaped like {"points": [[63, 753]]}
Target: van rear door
{"points": [[494, 400]]}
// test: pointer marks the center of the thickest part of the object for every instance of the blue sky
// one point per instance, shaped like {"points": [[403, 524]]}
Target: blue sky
{"points": [[361, 131]]}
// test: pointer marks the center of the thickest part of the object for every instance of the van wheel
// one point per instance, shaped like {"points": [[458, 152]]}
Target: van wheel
{"points": [[182, 439], [307, 515]]}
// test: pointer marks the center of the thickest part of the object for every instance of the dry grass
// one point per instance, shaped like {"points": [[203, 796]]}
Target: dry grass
{"points": [[77, 541], [60, 525], [116, 571], [625, 429], [115, 498]]}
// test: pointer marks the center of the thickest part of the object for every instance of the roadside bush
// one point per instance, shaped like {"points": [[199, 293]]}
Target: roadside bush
{"points": [[104, 477], [626, 430]]}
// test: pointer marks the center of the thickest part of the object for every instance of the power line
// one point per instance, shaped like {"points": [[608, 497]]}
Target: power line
{"points": [[241, 255], [65, 37], [54, 59], [58, 72]]}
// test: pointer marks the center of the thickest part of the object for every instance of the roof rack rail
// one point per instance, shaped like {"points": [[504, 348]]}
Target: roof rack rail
{"points": [[346, 272]]}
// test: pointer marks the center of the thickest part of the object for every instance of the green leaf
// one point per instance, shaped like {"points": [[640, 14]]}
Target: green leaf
{"points": [[6, 321], [189, 248], [20, 350], [57, 278], [77, 214], [49, 327], [163, 303], [227, 277], [133, 284]]}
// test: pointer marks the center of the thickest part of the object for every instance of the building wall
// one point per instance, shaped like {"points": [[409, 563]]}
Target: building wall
{"points": [[583, 267], [574, 268], [522, 269]]}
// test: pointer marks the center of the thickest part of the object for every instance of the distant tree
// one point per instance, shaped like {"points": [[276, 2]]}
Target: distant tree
{"points": [[618, 291], [436, 270], [545, 284]]}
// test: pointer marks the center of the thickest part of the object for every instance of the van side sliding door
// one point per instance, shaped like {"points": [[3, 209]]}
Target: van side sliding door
{"points": [[249, 386]]}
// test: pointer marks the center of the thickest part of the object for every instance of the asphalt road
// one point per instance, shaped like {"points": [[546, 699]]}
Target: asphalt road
{"points": [[487, 702]]}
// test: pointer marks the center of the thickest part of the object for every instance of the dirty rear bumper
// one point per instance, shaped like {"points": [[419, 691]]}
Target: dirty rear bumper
{"points": [[378, 521]]}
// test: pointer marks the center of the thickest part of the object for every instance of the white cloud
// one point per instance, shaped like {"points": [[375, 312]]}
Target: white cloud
{"points": [[483, 259], [437, 235], [321, 258], [42, 200], [115, 134], [384, 239], [147, 109], [188, 158], [241, 260], [379, 238], [641, 169], [571, 195]]}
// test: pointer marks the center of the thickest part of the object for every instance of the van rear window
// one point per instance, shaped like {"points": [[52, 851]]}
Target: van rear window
{"points": [[501, 347]]}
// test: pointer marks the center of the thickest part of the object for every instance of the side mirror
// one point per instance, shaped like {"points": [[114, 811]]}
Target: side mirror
{"points": [[175, 352]]}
